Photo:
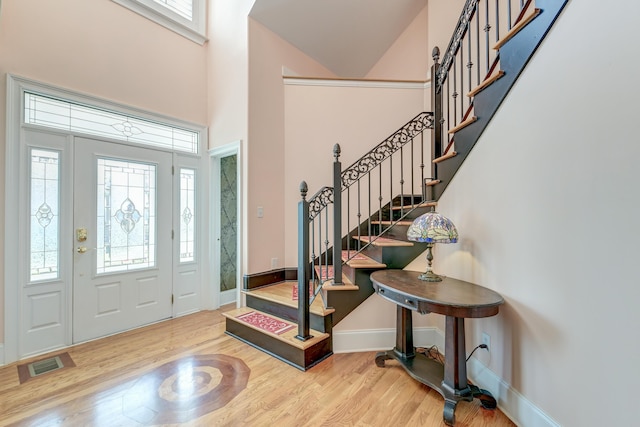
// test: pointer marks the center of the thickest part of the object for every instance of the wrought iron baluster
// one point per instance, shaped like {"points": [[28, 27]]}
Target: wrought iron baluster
{"points": [[402, 181], [391, 181], [469, 62], [380, 193], [369, 205], [487, 29], [508, 14], [461, 82], [422, 177], [413, 190], [448, 99], [348, 221], [477, 15], [326, 250], [497, 21], [455, 96], [359, 215], [320, 237]]}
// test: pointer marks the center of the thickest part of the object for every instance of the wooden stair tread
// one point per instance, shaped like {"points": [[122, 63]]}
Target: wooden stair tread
{"points": [[421, 205], [389, 222], [516, 28], [432, 182], [383, 241], [288, 337], [487, 82], [345, 286], [462, 124], [281, 293], [449, 155], [361, 261]]}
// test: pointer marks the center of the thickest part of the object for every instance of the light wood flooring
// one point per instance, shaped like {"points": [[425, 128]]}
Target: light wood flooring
{"points": [[188, 365]]}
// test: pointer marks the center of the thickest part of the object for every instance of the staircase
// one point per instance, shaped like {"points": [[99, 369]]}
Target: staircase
{"points": [[381, 193]]}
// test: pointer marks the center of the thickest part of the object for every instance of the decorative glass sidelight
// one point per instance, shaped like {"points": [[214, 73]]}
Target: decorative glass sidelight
{"points": [[126, 216], [228, 220], [45, 215], [187, 212]]}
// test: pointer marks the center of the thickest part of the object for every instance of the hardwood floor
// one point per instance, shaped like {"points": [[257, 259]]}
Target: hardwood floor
{"points": [[186, 371]]}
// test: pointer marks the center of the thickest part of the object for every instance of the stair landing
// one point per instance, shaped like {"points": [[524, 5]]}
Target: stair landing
{"points": [[284, 346]]}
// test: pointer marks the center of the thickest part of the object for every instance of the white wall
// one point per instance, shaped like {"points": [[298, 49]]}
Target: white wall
{"points": [[356, 115], [408, 58], [100, 48], [547, 211], [268, 54]]}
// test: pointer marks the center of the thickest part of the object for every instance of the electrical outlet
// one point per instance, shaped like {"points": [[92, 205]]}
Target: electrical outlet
{"points": [[260, 212], [486, 340], [274, 262]]}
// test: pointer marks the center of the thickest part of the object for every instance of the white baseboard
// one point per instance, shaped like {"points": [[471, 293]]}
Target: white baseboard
{"points": [[227, 297], [383, 339], [1, 354], [514, 405]]}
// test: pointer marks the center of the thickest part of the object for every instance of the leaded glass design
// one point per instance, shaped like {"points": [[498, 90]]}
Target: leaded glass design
{"points": [[126, 216], [183, 8], [187, 212], [62, 114], [45, 215], [228, 221]]}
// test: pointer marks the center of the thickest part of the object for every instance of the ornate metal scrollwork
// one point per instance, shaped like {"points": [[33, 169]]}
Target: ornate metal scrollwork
{"points": [[319, 201], [386, 148], [454, 44]]}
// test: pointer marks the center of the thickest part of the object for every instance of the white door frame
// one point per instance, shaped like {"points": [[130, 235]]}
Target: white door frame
{"points": [[216, 154], [15, 159]]}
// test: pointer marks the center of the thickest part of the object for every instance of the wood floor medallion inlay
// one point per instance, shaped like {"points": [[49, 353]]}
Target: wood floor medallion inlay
{"points": [[185, 389]]}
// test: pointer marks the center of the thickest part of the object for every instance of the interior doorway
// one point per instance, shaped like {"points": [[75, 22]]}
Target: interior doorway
{"points": [[226, 219]]}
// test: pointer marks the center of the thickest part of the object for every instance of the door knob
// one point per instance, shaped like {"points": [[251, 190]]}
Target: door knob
{"points": [[81, 249]]}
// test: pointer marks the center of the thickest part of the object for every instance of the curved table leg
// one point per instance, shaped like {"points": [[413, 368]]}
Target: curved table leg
{"points": [[381, 357], [449, 413]]}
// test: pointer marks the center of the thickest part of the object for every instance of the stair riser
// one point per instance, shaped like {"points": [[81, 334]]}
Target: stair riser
{"points": [[319, 323], [344, 306], [397, 256], [301, 359]]}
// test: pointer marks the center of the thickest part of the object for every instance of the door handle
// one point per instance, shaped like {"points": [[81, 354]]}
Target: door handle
{"points": [[82, 249]]}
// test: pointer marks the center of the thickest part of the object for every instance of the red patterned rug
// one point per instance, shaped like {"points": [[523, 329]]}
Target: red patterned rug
{"points": [[294, 291], [265, 322]]}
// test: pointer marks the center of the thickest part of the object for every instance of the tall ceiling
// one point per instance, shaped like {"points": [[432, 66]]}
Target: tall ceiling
{"points": [[346, 36]]}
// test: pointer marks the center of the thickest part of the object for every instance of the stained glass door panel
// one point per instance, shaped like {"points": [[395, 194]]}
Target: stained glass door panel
{"points": [[228, 222], [123, 270]]}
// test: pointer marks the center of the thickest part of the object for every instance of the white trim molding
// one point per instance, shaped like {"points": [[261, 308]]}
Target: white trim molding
{"points": [[380, 84], [514, 405], [1, 354], [193, 30]]}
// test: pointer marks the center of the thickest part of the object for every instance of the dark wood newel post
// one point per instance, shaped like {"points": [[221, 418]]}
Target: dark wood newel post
{"points": [[303, 264], [337, 216], [436, 106]]}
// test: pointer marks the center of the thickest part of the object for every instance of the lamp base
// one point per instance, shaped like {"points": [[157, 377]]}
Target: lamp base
{"points": [[430, 276]]}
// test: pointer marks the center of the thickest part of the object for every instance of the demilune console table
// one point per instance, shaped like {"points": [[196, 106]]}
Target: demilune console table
{"points": [[457, 300]]}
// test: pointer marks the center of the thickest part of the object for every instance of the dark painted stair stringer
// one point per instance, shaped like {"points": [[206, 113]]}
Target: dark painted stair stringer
{"points": [[514, 56]]}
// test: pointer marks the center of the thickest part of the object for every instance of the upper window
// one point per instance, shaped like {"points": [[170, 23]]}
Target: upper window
{"points": [[75, 117], [185, 17]]}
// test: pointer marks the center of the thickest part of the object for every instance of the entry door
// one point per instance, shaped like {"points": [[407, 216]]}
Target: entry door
{"points": [[122, 238]]}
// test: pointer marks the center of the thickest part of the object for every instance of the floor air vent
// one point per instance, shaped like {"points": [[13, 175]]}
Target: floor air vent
{"points": [[35, 369], [43, 366]]}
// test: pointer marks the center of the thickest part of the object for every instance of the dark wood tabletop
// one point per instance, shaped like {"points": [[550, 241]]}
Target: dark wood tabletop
{"points": [[451, 297]]}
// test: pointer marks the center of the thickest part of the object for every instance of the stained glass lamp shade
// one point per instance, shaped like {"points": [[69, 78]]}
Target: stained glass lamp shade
{"points": [[431, 228]]}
